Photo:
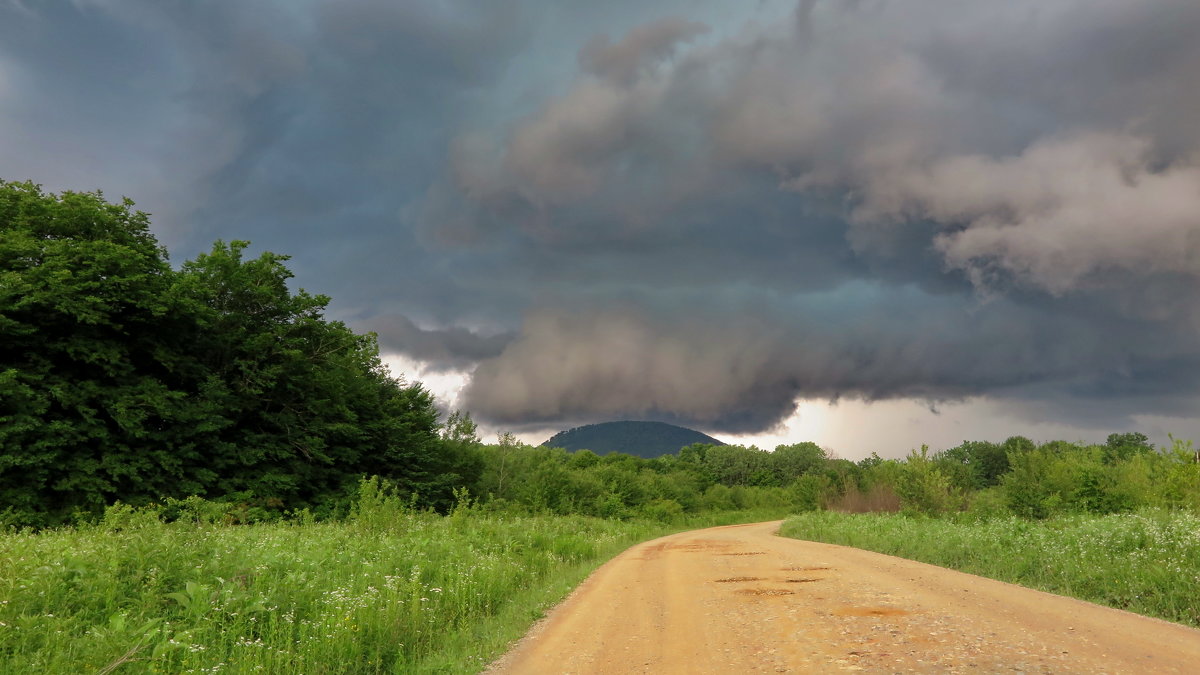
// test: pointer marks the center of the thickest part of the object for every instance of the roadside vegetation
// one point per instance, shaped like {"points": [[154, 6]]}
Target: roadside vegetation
{"points": [[387, 589], [1146, 562], [1116, 524]]}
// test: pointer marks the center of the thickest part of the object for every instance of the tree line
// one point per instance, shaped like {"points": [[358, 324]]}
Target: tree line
{"points": [[983, 479]]}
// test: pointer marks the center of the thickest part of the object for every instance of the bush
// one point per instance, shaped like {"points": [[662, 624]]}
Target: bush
{"points": [[924, 489], [663, 510], [986, 505], [810, 492]]}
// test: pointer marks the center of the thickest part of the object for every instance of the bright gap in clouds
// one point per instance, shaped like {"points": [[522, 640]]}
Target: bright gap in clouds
{"points": [[853, 429], [445, 385], [850, 429]]}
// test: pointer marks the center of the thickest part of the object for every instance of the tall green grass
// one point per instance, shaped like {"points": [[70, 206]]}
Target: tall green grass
{"points": [[1146, 562], [388, 590]]}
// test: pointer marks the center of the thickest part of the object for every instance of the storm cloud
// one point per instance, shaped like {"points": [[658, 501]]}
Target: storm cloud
{"points": [[452, 347], [1075, 204], [686, 211]]}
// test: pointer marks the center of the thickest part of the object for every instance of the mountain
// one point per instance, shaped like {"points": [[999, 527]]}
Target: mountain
{"points": [[644, 439]]}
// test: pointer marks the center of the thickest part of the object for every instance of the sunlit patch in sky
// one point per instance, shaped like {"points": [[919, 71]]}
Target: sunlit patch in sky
{"points": [[445, 385]]}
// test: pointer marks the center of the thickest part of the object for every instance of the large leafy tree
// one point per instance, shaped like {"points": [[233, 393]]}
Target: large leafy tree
{"points": [[294, 405], [84, 301], [121, 378]]}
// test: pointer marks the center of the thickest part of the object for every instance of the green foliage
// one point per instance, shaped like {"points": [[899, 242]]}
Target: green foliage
{"points": [[924, 489], [789, 462], [986, 504], [974, 465], [86, 351], [456, 465], [1146, 562], [736, 465], [1017, 444], [389, 590], [122, 379], [1178, 484], [302, 406], [700, 478], [1026, 489], [986, 479], [1121, 447], [1059, 477], [663, 510], [810, 492]]}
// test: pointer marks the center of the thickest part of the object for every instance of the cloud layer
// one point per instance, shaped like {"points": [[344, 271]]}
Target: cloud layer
{"points": [[1077, 204], [685, 212]]}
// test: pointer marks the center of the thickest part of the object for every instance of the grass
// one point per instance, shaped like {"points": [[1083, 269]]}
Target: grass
{"points": [[1146, 562], [389, 590]]}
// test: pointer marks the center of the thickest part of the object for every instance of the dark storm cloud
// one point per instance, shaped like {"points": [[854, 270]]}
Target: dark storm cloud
{"points": [[309, 128], [1069, 186], [443, 348], [686, 211], [738, 364]]}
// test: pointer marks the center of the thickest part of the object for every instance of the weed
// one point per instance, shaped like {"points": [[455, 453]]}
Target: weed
{"points": [[1146, 562], [388, 590]]}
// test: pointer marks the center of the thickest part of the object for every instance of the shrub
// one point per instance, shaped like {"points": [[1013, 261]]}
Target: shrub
{"points": [[924, 489], [663, 510]]}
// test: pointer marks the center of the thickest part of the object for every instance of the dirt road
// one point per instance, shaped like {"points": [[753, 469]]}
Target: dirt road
{"points": [[740, 599]]}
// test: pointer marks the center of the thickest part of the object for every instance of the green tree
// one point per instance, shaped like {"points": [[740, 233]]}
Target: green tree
{"points": [[923, 488], [737, 465], [299, 406], [459, 464], [87, 353], [121, 378], [1017, 444], [1121, 447], [789, 462], [974, 465]]}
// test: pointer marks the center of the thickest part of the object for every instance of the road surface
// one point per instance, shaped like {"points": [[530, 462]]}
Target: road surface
{"points": [[740, 599]]}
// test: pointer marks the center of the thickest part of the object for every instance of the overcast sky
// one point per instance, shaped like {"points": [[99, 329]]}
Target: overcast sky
{"points": [[869, 223]]}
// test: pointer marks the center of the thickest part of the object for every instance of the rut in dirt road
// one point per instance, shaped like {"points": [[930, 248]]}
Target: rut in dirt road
{"points": [[741, 599]]}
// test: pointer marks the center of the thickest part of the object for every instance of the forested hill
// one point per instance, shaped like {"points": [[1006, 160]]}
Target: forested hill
{"points": [[644, 439]]}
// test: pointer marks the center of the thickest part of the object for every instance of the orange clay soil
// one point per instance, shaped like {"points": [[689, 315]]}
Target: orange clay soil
{"points": [[741, 599]]}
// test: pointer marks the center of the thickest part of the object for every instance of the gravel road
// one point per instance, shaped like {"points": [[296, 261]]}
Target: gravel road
{"points": [[740, 599]]}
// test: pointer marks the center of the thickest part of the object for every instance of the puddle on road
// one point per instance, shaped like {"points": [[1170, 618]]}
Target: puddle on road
{"points": [[745, 553], [700, 545], [763, 591], [800, 581], [737, 579], [651, 552], [871, 611]]}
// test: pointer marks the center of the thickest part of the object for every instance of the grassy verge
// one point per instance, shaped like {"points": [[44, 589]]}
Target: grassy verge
{"points": [[1146, 562], [390, 590]]}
